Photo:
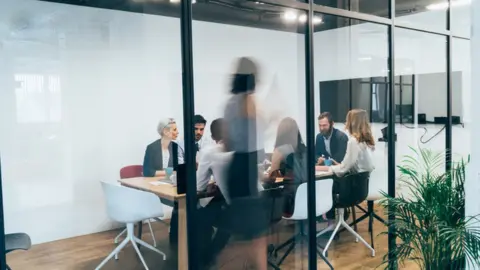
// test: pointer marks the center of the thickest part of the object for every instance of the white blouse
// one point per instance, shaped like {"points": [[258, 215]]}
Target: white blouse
{"points": [[358, 158]]}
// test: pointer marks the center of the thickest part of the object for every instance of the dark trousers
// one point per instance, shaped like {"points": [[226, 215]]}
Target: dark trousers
{"points": [[173, 235], [210, 245]]}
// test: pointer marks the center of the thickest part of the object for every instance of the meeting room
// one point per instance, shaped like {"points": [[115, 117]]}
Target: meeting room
{"points": [[224, 134]]}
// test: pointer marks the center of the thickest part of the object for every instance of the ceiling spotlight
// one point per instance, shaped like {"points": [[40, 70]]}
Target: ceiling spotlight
{"points": [[290, 15], [302, 18], [444, 5], [259, 3], [317, 20], [194, 1], [174, 1]]}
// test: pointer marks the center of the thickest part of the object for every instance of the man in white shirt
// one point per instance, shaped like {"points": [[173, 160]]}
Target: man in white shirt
{"points": [[212, 163]]}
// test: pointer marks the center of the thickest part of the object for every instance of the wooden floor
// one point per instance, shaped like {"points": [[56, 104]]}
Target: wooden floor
{"points": [[86, 252]]}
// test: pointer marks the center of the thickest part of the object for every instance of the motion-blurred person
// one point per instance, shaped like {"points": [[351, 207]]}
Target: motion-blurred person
{"points": [[289, 159], [244, 137], [358, 157], [330, 143]]}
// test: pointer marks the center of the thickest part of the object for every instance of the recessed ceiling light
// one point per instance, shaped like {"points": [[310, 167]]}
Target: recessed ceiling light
{"points": [[317, 20], [290, 16], [302, 18], [174, 1]]}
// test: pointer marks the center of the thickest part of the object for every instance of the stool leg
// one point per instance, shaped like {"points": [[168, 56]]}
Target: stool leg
{"points": [[354, 216]]}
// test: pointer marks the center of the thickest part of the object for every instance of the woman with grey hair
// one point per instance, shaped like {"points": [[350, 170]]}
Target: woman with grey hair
{"points": [[159, 154]]}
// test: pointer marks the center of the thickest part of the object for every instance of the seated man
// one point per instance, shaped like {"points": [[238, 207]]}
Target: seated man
{"points": [[212, 162], [330, 143]]}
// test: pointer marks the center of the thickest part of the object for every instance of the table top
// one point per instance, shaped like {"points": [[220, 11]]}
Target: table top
{"points": [[164, 190], [169, 191]]}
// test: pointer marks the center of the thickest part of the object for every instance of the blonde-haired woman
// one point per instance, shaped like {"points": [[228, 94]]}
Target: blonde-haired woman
{"points": [[360, 146]]}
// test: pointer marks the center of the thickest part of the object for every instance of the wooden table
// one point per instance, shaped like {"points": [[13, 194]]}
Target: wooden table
{"points": [[169, 192], [166, 192]]}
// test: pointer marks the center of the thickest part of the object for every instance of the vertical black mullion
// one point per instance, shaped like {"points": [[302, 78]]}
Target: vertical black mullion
{"points": [[413, 99], [3, 258], [310, 107], [350, 102], [188, 112], [392, 245], [448, 128]]}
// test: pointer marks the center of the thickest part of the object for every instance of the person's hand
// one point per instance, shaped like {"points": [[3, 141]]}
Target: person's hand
{"points": [[335, 162], [322, 168], [320, 160]]}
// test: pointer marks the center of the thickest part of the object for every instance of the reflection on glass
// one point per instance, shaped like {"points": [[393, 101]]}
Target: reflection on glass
{"points": [[38, 98], [421, 88], [373, 7], [461, 17], [462, 95], [428, 14], [351, 65]]}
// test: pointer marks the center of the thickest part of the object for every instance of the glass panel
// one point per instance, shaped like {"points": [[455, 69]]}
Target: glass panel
{"points": [[373, 7], [461, 17], [462, 95], [344, 53], [407, 79], [263, 51], [428, 14], [428, 65], [83, 91]]}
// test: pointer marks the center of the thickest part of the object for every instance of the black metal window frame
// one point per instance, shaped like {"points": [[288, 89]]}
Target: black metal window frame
{"points": [[188, 109]]}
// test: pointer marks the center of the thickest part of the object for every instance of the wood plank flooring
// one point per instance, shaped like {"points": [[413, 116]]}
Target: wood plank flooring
{"points": [[86, 252]]}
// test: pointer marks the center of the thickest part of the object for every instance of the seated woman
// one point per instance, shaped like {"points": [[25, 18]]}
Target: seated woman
{"points": [[159, 154], [360, 146], [289, 160]]}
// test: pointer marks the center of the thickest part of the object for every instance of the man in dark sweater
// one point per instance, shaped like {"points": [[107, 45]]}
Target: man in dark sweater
{"points": [[330, 142]]}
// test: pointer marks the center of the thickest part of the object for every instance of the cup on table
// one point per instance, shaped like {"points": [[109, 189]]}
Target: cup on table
{"points": [[168, 172], [328, 162]]}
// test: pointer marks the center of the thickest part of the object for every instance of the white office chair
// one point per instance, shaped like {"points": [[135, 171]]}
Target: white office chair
{"points": [[127, 205], [167, 215], [323, 203]]}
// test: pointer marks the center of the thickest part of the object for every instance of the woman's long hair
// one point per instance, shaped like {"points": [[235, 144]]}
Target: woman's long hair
{"points": [[288, 133], [245, 76], [358, 126]]}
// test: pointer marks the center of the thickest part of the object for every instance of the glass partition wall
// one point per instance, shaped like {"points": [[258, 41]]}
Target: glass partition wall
{"points": [[89, 84]]}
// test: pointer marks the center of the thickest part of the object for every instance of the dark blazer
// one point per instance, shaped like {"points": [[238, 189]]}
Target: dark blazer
{"points": [[338, 146], [153, 160]]}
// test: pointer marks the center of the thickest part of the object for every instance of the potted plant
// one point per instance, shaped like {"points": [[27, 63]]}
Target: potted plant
{"points": [[430, 224]]}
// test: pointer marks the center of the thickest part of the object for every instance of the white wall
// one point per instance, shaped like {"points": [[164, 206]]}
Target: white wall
{"points": [[109, 76]]}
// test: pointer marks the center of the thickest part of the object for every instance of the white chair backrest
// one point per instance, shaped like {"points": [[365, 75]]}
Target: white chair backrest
{"points": [[378, 182], [128, 205], [323, 199]]}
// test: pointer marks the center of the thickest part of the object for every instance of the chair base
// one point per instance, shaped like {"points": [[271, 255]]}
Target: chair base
{"points": [[134, 240], [151, 232], [342, 223], [292, 242], [370, 214]]}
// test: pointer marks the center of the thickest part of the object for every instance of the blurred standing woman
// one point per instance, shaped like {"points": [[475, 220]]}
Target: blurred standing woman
{"points": [[244, 137]]}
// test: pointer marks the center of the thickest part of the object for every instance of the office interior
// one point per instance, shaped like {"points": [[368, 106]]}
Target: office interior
{"points": [[84, 84]]}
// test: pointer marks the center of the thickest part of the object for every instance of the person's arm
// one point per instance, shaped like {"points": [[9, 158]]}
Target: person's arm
{"points": [[181, 152], [351, 157], [204, 172], [341, 147], [319, 158], [148, 167]]}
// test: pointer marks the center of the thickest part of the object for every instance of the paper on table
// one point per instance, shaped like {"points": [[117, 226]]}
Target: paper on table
{"points": [[158, 183]]}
